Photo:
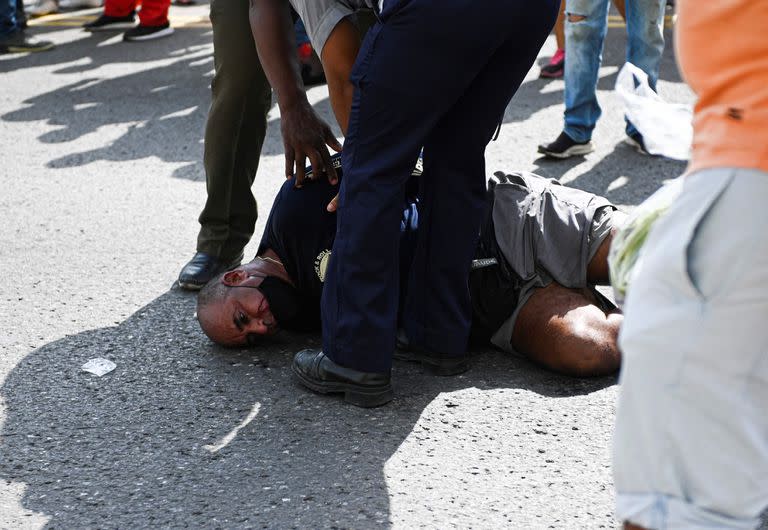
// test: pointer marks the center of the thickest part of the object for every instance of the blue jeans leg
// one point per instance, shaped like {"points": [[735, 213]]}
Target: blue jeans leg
{"points": [[645, 39], [584, 53], [8, 23]]}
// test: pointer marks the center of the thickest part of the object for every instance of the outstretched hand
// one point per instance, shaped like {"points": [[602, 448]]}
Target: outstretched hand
{"points": [[305, 135]]}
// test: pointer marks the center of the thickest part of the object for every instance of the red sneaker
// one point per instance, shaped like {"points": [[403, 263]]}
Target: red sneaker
{"points": [[554, 69]]}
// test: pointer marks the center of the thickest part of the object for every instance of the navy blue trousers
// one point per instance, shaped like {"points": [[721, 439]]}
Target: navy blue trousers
{"points": [[436, 74]]}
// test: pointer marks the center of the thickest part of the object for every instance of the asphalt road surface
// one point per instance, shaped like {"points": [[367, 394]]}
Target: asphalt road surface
{"points": [[101, 185]]}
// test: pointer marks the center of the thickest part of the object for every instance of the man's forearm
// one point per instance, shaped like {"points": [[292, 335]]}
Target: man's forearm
{"points": [[273, 33], [338, 56], [305, 135]]}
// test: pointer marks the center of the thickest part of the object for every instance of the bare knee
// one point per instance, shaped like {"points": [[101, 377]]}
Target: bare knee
{"points": [[564, 330], [597, 360], [580, 28], [591, 348]]}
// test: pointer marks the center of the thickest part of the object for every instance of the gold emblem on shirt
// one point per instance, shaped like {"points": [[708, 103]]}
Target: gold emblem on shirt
{"points": [[321, 264]]}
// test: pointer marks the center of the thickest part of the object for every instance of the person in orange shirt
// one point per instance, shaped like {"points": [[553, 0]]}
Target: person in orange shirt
{"points": [[691, 441]]}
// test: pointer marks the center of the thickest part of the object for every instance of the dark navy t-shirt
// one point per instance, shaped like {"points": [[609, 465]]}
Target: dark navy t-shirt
{"points": [[301, 232]]}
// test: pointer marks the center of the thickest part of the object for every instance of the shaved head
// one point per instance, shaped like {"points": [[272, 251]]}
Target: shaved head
{"points": [[234, 317], [210, 303]]}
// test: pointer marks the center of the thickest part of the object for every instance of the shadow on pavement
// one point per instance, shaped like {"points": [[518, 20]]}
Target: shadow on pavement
{"points": [[631, 186], [92, 52], [531, 97], [163, 107], [129, 449]]}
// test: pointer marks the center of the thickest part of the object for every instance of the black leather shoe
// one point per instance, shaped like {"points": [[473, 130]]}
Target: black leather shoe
{"points": [[434, 363], [202, 268], [319, 373]]}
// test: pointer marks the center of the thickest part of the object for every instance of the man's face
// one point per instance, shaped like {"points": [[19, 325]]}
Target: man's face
{"points": [[241, 314]]}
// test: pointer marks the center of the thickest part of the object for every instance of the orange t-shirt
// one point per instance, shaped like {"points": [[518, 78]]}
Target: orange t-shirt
{"points": [[722, 49]]}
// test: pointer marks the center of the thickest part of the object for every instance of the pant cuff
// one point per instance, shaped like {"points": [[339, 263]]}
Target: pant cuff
{"points": [[657, 510], [451, 345], [577, 135]]}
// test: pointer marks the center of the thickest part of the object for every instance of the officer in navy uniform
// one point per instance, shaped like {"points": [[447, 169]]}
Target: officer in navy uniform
{"points": [[432, 74]]}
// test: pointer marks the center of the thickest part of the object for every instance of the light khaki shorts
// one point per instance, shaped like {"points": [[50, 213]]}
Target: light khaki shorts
{"points": [[691, 441]]}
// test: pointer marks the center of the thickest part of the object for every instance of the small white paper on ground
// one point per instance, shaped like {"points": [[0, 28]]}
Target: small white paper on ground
{"points": [[99, 366]]}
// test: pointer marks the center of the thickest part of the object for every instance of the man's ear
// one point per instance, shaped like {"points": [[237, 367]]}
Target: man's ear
{"points": [[234, 277]]}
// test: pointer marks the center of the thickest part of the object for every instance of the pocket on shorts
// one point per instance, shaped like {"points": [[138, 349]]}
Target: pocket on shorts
{"points": [[703, 204], [758, 376], [664, 307], [728, 343]]}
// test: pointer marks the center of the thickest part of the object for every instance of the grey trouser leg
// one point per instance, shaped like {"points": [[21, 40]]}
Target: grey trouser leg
{"points": [[234, 134]]}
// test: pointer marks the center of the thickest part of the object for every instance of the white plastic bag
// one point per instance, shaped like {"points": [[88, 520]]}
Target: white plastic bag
{"points": [[666, 127], [625, 255]]}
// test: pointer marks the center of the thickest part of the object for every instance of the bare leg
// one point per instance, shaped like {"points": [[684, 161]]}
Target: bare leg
{"points": [[564, 330], [620, 8], [597, 269], [560, 27]]}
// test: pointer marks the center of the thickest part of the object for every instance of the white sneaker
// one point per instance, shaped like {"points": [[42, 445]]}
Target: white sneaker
{"points": [[44, 7]]}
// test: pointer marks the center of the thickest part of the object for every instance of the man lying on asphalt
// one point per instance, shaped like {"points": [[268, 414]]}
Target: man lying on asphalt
{"points": [[543, 248]]}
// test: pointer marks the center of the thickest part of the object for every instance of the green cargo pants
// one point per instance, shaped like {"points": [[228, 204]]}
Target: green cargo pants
{"points": [[234, 133]]}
